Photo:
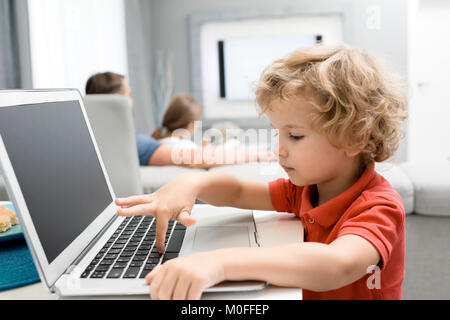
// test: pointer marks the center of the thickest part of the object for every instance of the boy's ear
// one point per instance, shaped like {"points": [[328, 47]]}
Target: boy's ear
{"points": [[351, 153]]}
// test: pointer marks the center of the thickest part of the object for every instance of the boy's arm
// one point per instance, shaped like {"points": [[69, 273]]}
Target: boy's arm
{"points": [[226, 190], [312, 266]]}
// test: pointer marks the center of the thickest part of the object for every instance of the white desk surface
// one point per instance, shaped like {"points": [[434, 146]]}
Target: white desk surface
{"points": [[273, 229]]}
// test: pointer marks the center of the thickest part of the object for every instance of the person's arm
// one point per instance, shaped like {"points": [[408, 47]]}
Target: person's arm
{"points": [[226, 190], [205, 158], [312, 266], [164, 156], [309, 265], [223, 156]]}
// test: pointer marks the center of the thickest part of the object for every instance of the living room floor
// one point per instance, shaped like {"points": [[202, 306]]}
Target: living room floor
{"points": [[427, 267]]}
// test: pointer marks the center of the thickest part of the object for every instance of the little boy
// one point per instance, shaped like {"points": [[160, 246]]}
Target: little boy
{"points": [[337, 112]]}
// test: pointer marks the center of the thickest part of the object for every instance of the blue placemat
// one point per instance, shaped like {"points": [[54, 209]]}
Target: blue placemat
{"points": [[16, 264]]}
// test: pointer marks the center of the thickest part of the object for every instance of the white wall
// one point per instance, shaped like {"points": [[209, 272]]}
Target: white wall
{"points": [[73, 39], [385, 37], [429, 129]]}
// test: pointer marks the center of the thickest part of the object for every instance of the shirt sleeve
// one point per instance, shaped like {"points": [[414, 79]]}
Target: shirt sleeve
{"points": [[146, 146], [285, 196], [381, 225]]}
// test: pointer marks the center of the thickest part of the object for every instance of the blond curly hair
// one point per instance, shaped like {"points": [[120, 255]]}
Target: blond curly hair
{"points": [[360, 104]]}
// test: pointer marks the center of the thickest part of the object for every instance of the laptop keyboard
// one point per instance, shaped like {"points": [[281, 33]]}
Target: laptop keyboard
{"points": [[131, 251]]}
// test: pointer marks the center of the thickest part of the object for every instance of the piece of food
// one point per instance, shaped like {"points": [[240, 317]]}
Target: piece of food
{"points": [[8, 219]]}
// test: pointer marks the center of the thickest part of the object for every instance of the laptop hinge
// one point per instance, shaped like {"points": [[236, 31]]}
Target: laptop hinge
{"points": [[257, 238], [255, 233], [70, 269]]}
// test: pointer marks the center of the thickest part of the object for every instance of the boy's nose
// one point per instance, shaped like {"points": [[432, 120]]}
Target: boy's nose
{"points": [[279, 151]]}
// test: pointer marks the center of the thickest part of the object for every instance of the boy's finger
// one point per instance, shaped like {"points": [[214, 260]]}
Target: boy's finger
{"points": [[149, 277], [185, 218], [133, 200], [195, 291], [138, 210], [181, 289], [161, 229], [156, 283]]}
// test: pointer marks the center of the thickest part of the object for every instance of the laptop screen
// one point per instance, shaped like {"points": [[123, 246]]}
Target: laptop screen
{"points": [[57, 168]]}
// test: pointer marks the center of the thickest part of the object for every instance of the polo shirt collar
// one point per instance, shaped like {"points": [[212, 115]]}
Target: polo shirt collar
{"points": [[328, 213]]}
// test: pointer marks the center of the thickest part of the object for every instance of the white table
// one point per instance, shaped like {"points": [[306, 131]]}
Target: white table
{"points": [[273, 229]]}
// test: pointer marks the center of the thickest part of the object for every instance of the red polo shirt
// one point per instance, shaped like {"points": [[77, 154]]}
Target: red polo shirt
{"points": [[371, 209]]}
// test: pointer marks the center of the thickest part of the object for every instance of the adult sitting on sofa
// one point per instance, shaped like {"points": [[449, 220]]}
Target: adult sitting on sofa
{"points": [[153, 153]]}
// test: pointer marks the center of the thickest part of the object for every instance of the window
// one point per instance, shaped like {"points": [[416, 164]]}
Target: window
{"points": [[73, 39]]}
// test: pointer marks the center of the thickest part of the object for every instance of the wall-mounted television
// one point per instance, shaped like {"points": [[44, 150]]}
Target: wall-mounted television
{"points": [[242, 60]]}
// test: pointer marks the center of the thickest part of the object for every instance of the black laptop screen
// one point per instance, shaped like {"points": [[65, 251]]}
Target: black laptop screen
{"points": [[57, 168]]}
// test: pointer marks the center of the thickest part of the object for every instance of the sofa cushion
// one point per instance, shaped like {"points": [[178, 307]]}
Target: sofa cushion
{"points": [[154, 177], [431, 183], [399, 181]]}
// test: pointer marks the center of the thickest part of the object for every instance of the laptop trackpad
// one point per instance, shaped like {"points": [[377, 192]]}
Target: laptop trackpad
{"points": [[218, 237]]}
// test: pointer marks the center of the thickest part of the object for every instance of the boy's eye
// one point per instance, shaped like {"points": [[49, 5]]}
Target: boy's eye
{"points": [[295, 137]]}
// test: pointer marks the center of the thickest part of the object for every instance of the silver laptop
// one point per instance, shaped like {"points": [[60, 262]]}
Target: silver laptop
{"points": [[65, 203]]}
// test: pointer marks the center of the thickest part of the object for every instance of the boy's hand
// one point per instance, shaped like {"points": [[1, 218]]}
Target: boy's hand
{"points": [[174, 201], [185, 278]]}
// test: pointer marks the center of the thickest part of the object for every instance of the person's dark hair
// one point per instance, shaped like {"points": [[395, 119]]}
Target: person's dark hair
{"points": [[181, 110], [105, 83]]}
